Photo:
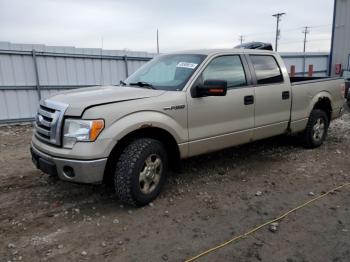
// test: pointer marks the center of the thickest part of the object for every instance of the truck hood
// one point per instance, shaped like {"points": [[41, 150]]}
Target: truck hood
{"points": [[80, 99]]}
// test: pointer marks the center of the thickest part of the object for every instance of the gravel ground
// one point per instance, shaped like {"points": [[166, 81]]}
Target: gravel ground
{"points": [[215, 198]]}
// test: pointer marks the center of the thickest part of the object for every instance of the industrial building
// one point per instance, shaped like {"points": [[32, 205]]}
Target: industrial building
{"points": [[340, 49]]}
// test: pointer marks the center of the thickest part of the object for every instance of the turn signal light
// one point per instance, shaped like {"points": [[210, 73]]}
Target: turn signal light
{"points": [[96, 128], [216, 90]]}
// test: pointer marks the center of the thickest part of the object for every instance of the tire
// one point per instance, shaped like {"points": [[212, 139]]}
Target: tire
{"points": [[316, 129], [141, 171]]}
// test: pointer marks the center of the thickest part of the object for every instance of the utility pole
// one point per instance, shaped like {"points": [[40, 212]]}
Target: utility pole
{"points": [[305, 32], [278, 19], [241, 39], [157, 42]]}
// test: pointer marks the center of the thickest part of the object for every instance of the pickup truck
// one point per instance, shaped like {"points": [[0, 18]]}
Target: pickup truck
{"points": [[174, 107]]}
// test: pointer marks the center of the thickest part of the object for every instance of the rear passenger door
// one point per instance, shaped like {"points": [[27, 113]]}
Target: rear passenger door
{"points": [[272, 96]]}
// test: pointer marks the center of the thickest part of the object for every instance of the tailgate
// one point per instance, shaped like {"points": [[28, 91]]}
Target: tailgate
{"points": [[347, 87]]}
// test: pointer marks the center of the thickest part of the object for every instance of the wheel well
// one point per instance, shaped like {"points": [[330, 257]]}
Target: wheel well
{"points": [[324, 104], [159, 134]]}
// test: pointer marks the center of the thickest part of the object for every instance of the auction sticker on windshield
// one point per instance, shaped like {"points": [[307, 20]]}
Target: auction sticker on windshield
{"points": [[187, 65]]}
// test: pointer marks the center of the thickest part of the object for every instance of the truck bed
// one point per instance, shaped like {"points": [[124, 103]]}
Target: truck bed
{"points": [[305, 92]]}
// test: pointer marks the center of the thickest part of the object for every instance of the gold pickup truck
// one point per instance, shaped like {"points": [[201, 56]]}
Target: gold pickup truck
{"points": [[177, 106]]}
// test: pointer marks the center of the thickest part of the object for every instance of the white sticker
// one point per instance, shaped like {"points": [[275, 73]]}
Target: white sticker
{"points": [[187, 65]]}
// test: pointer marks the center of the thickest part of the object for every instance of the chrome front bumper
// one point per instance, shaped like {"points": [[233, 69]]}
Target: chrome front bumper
{"points": [[81, 171]]}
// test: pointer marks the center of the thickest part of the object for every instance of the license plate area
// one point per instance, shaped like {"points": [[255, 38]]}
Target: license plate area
{"points": [[44, 165]]}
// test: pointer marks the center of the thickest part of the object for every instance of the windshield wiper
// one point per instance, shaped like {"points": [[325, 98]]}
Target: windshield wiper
{"points": [[121, 82], [142, 84]]}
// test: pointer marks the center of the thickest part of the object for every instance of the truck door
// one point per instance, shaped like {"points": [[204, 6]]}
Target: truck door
{"points": [[272, 96], [218, 122]]}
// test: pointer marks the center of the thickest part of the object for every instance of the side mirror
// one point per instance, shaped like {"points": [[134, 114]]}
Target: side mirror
{"points": [[211, 88]]}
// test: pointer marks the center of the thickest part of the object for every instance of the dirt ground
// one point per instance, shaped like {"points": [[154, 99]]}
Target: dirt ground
{"points": [[216, 197]]}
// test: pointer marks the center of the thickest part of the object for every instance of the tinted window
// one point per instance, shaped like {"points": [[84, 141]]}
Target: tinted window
{"points": [[227, 68], [266, 69]]}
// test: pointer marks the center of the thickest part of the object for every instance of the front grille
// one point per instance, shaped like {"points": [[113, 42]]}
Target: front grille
{"points": [[49, 121]]}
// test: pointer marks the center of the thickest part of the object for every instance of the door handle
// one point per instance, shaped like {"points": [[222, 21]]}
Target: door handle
{"points": [[285, 95], [248, 100]]}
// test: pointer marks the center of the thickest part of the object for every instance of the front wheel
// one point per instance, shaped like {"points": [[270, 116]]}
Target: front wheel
{"points": [[141, 171], [316, 129]]}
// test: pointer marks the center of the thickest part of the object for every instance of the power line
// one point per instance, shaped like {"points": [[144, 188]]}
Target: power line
{"points": [[249, 37], [320, 40], [298, 42], [318, 26], [288, 30]]}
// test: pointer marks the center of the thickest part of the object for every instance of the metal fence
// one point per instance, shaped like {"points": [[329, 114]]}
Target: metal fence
{"points": [[29, 73]]}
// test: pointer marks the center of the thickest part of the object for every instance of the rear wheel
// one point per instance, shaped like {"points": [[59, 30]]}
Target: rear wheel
{"points": [[316, 129], [141, 171]]}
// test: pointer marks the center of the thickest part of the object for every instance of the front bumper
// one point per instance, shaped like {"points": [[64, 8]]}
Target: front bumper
{"points": [[81, 171]]}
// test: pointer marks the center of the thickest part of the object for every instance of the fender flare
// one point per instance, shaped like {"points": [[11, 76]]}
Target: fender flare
{"points": [[145, 119], [317, 98]]}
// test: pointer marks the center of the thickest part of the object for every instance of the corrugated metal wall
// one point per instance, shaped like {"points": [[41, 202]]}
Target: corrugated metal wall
{"points": [[318, 60], [31, 72], [341, 37]]}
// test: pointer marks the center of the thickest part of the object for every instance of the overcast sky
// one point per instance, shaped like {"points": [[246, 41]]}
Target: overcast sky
{"points": [[183, 24]]}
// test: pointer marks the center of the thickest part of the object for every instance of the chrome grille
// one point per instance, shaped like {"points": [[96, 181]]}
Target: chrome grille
{"points": [[49, 121]]}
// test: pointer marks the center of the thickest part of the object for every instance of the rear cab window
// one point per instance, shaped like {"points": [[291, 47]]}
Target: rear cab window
{"points": [[266, 69]]}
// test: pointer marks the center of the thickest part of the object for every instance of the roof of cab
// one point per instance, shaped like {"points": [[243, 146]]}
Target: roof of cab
{"points": [[223, 51]]}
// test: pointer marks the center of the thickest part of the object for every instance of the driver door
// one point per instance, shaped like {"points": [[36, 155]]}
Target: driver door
{"points": [[217, 122]]}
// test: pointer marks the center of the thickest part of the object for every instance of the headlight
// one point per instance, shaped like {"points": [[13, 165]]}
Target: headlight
{"points": [[76, 130]]}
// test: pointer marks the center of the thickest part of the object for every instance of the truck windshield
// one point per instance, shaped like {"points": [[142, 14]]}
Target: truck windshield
{"points": [[166, 72]]}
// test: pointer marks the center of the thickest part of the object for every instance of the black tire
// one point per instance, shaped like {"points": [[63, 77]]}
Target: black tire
{"points": [[310, 138], [131, 162]]}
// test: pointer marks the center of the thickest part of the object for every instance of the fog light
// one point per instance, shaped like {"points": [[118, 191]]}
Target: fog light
{"points": [[69, 171]]}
